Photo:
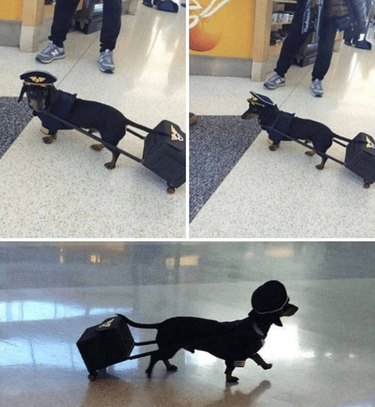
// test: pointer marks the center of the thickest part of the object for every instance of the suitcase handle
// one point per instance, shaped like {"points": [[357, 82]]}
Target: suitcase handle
{"points": [[303, 144], [108, 145]]}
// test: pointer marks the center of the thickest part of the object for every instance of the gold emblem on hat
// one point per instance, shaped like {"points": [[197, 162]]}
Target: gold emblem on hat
{"points": [[37, 79]]}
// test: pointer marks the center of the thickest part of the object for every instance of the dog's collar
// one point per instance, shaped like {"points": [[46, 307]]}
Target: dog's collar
{"points": [[257, 330]]}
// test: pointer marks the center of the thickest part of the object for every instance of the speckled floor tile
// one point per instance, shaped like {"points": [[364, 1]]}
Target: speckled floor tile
{"points": [[322, 356], [63, 190], [216, 145], [281, 194], [14, 117]]}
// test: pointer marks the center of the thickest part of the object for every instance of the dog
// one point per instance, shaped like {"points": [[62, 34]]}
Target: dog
{"points": [[233, 341], [44, 98], [271, 118]]}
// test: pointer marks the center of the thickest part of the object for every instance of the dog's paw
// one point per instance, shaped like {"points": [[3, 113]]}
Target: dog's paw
{"points": [[109, 166], [96, 147], [172, 368], [148, 373], [232, 379], [310, 153], [267, 366], [273, 147], [319, 166], [48, 140]]}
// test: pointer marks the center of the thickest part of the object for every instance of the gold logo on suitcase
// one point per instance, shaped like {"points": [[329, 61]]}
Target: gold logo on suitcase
{"points": [[369, 143], [107, 324], [175, 135]]}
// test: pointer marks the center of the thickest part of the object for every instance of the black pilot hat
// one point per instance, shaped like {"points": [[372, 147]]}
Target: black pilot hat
{"points": [[258, 99], [270, 298], [36, 78]]}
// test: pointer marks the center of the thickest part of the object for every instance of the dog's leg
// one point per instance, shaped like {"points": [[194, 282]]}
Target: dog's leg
{"points": [[261, 362], [112, 164], [228, 372], [321, 165], [97, 147], [154, 358], [169, 366], [274, 146]]}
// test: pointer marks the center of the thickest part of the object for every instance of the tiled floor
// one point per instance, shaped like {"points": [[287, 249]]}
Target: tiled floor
{"points": [[281, 194], [63, 190], [322, 356]]}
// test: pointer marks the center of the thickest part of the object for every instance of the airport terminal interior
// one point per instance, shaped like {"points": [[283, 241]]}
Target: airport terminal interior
{"points": [[281, 194], [47, 190], [272, 259], [322, 356]]}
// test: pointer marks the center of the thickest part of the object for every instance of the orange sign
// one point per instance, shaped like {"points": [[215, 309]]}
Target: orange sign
{"points": [[221, 27]]}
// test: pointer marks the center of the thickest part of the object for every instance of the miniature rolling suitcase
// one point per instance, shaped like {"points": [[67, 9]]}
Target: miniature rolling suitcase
{"points": [[360, 157], [105, 344], [164, 153]]}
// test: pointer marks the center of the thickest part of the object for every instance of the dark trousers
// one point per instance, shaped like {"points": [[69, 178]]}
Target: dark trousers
{"points": [[351, 34], [295, 39], [64, 11]]}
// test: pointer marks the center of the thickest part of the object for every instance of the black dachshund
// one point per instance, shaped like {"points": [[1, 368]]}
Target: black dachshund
{"points": [[44, 98], [271, 118], [233, 341]]}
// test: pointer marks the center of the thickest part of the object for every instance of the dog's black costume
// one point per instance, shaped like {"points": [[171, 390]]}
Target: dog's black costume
{"points": [[232, 341], [44, 98], [275, 122]]}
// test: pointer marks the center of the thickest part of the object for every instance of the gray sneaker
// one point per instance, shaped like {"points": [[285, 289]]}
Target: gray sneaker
{"points": [[275, 81], [316, 88], [50, 53], [106, 63]]}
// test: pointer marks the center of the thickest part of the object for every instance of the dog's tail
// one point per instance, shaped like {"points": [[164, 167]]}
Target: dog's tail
{"points": [[138, 325]]}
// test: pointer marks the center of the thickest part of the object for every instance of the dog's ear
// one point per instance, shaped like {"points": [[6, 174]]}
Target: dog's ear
{"points": [[52, 95], [277, 320], [23, 90]]}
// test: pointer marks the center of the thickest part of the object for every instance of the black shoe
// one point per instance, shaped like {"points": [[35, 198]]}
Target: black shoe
{"points": [[364, 44]]}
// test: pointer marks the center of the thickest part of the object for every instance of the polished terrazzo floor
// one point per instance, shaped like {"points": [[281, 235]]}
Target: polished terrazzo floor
{"points": [[323, 355], [63, 190], [281, 194]]}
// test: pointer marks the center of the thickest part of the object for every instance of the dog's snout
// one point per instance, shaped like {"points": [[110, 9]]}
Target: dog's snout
{"points": [[289, 310]]}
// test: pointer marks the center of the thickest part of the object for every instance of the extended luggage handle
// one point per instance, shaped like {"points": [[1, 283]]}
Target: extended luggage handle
{"points": [[142, 355], [108, 145], [325, 155]]}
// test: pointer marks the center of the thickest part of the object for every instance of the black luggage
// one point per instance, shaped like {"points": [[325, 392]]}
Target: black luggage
{"points": [[164, 153], [108, 343], [360, 157], [105, 344]]}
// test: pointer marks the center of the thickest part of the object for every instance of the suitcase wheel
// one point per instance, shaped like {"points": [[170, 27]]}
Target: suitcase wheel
{"points": [[171, 189], [92, 376], [366, 185]]}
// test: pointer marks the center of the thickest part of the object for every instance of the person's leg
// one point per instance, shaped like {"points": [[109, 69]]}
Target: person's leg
{"points": [[111, 24], [109, 33], [323, 59], [64, 11], [325, 48], [291, 45], [289, 49]]}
